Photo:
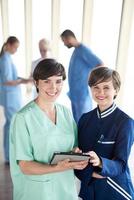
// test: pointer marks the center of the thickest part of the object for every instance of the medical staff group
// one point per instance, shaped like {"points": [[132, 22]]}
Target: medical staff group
{"points": [[40, 128]]}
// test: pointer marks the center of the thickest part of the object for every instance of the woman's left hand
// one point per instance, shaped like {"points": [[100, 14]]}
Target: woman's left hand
{"points": [[94, 159]]}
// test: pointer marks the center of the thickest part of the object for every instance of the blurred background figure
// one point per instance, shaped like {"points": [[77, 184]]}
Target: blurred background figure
{"points": [[10, 97], [45, 52], [82, 61]]}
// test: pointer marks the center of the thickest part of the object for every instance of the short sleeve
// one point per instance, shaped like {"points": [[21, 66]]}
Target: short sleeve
{"points": [[71, 121], [75, 133], [20, 139], [90, 58], [75, 130]]}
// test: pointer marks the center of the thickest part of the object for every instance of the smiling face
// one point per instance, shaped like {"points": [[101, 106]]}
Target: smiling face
{"points": [[50, 88], [103, 94]]}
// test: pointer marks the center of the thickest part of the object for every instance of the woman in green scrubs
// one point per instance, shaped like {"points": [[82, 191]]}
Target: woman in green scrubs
{"points": [[37, 131]]}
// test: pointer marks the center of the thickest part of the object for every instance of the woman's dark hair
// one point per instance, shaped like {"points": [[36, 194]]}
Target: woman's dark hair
{"points": [[104, 74], [48, 67], [10, 40]]}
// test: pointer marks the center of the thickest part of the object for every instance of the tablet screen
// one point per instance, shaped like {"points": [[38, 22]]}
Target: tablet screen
{"points": [[59, 156]]}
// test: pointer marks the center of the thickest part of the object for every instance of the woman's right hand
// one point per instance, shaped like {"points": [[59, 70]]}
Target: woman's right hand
{"points": [[67, 164]]}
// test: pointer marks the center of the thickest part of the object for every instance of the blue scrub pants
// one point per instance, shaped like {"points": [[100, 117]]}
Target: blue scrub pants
{"points": [[12, 103], [80, 107]]}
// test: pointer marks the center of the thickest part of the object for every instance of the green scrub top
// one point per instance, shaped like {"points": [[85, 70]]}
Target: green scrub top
{"points": [[33, 136]]}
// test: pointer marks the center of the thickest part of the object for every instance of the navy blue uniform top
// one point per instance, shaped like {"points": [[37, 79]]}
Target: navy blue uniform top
{"points": [[110, 134]]}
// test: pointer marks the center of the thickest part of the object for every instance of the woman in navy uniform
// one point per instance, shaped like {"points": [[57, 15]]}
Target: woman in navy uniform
{"points": [[107, 134]]}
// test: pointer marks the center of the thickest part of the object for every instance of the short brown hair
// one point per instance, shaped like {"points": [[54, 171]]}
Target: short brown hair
{"points": [[104, 74], [48, 67]]}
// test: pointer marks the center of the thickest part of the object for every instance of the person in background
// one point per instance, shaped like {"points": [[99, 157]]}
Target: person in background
{"points": [[37, 131], [11, 98], [45, 52], [107, 134], [82, 61]]}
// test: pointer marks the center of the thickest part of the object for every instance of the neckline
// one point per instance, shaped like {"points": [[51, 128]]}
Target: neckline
{"points": [[106, 112], [46, 116], [7, 53]]}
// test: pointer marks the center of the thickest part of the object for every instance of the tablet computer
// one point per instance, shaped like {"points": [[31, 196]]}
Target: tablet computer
{"points": [[59, 156]]}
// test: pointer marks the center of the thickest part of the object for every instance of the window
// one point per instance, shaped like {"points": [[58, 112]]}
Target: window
{"points": [[17, 28], [41, 18], [128, 100], [105, 29], [71, 13], [1, 36]]}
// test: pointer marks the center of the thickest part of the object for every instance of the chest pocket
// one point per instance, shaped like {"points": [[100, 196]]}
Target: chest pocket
{"points": [[106, 141], [105, 146]]}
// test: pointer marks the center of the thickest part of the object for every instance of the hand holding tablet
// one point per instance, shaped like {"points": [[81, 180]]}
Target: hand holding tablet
{"points": [[73, 157]]}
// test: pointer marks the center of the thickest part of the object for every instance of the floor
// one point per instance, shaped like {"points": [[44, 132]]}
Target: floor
{"points": [[5, 179], [5, 183]]}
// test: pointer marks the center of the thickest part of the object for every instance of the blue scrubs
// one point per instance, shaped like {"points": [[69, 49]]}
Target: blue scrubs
{"points": [[110, 134], [81, 63], [10, 96]]}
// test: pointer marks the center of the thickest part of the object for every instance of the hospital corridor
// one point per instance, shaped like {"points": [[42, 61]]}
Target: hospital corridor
{"points": [[66, 87]]}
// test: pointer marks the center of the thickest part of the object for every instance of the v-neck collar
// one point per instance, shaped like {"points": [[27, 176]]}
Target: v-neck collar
{"points": [[106, 112], [46, 116]]}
